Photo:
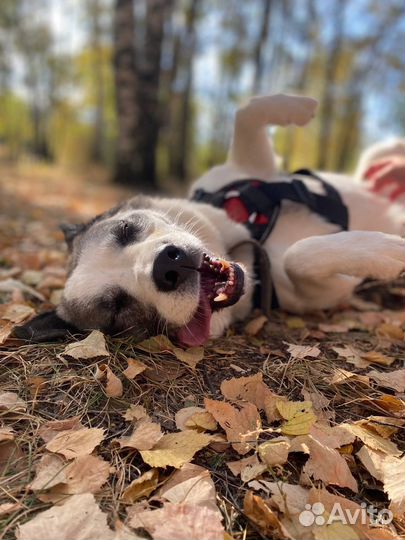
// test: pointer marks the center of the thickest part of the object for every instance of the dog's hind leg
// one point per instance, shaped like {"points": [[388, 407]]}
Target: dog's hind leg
{"points": [[325, 269], [251, 149]]}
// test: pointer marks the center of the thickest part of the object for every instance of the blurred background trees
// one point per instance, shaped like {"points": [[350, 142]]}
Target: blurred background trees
{"points": [[146, 89]]}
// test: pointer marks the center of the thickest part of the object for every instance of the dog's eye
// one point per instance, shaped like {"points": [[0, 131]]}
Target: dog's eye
{"points": [[126, 233]]}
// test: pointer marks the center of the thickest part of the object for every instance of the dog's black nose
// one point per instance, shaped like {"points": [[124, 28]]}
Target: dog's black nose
{"points": [[171, 268]]}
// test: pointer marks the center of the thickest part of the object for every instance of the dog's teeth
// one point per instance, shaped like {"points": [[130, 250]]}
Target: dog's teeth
{"points": [[231, 282], [221, 297]]}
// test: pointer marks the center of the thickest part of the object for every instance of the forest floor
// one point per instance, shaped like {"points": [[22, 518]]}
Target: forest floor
{"points": [[111, 439]]}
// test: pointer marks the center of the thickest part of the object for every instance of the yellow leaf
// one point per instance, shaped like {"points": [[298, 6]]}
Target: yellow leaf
{"points": [[299, 415], [141, 487], [195, 418], [175, 449], [295, 323]]}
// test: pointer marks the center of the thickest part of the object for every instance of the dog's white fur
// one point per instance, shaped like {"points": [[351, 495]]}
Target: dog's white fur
{"points": [[314, 265]]}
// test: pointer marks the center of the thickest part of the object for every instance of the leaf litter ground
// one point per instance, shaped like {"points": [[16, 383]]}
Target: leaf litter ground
{"points": [[231, 441]]}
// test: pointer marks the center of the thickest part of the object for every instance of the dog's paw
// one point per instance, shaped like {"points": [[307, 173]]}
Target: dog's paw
{"points": [[390, 258], [296, 110]]}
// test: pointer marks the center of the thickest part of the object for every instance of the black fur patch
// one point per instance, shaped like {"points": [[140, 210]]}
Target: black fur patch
{"points": [[45, 327]]}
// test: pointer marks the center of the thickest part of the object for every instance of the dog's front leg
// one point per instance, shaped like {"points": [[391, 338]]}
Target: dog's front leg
{"points": [[325, 269]]}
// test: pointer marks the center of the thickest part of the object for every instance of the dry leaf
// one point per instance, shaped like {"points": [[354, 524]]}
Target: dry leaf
{"points": [[112, 384], [352, 356], [328, 465], [192, 485], [374, 357], [247, 468], [394, 380], [175, 449], [11, 402], [79, 518], [256, 509], [93, 346], [302, 351], [341, 376], [373, 440], [156, 344], [274, 452], [195, 418], [287, 498], [390, 404], [383, 425], [254, 326], [144, 437], [331, 436], [50, 471], [295, 323], [241, 425], [9, 508], [6, 434], [135, 413], [250, 388], [135, 367], [299, 415], [72, 444], [390, 471], [141, 487], [17, 313], [391, 332], [190, 356], [50, 429], [184, 521]]}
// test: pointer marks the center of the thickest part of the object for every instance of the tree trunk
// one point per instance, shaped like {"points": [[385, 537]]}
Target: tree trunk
{"points": [[258, 54], [128, 159]]}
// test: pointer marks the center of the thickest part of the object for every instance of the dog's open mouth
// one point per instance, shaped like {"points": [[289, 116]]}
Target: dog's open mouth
{"points": [[221, 285]]}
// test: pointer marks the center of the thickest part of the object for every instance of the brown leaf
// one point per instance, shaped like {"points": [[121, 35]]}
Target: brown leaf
{"points": [[195, 418], [391, 332], [247, 468], [192, 485], [352, 356], [17, 313], [50, 471], [9, 508], [11, 402], [374, 357], [331, 436], [341, 376], [394, 380], [156, 344], [135, 367], [256, 509], [144, 437], [287, 498], [175, 449], [254, 326], [274, 452], [383, 425], [50, 429], [141, 487], [302, 351], [372, 440], [72, 444], [135, 413], [93, 346], [328, 465], [241, 425], [6, 434], [190, 356], [112, 384], [250, 388], [79, 518]]}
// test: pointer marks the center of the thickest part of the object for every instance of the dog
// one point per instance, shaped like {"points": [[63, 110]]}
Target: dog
{"points": [[188, 269]]}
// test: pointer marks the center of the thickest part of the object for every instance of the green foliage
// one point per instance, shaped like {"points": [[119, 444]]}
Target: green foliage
{"points": [[15, 124]]}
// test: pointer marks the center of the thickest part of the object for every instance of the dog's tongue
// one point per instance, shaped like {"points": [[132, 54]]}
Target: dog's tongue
{"points": [[197, 331]]}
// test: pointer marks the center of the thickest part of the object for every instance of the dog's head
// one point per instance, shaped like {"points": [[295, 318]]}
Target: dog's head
{"points": [[139, 269]]}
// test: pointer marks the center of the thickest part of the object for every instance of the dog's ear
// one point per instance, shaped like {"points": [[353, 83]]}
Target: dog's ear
{"points": [[45, 327], [70, 231]]}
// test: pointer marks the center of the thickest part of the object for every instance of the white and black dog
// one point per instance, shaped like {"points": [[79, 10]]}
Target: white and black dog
{"points": [[184, 267]]}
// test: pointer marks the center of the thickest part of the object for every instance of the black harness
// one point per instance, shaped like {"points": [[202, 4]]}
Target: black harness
{"points": [[257, 205]]}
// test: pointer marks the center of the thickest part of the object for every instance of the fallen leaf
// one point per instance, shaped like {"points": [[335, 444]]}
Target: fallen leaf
{"points": [[191, 356], [111, 383], [192, 485], [374, 357], [36, 385], [175, 449], [328, 465], [251, 388], [11, 402], [240, 424], [9, 508], [141, 487], [144, 437], [331, 436], [247, 468], [299, 415], [17, 313], [50, 471], [93, 346], [295, 323], [184, 521], [274, 452], [256, 509], [50, 429], [383, 425], [302, 351], [391, 332], [72, 444], [79, 518], [6, 434], [168, 370], [352, 356], [135, 367], [394, 380], [373, 440], [135, 413], [254, 326], [336, 328], [287, 498], [195, 418], [156, 344]]}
